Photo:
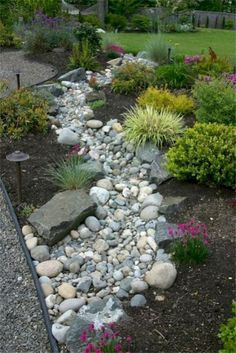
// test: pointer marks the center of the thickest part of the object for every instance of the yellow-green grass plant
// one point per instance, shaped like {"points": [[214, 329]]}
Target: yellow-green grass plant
{"points": [[147, 124]]}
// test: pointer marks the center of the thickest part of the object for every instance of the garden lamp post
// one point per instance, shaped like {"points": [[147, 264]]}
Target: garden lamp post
{"points": [[18, 157], [18, 79]]}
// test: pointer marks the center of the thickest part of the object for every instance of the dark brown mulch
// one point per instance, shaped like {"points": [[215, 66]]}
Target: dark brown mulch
{"points": [[43, 151], [188, 320], [116, 105]]}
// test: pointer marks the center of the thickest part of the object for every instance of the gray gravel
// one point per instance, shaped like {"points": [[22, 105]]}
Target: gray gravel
{"points": [[12, 61], [22, 328]]}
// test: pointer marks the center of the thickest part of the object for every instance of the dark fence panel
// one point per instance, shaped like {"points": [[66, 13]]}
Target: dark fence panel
{"points": [[205, 19]]}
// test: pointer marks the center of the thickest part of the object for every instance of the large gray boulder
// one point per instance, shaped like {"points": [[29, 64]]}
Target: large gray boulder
{"points": [[159, 173], [76, 75], [147, 153], [64, 212]]}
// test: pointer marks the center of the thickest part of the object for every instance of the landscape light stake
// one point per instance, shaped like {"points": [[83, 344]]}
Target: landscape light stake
{"points": [[18, 157], [18, 80], [169, 55]]}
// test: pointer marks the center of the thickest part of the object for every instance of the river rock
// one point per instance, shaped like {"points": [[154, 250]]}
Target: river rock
{"points": [[138, 286], [138, 300], [71, 304], [99, 195], [149, 212], [68, 137], [59, 332], [171, 204], [50, 268], [94, 124], [161, 275], [66, 291], [93, 224], [105, 184]]}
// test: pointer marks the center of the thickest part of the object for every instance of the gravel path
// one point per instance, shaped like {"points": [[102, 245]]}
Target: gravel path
{"points": [[12, 61], [22, 328]]}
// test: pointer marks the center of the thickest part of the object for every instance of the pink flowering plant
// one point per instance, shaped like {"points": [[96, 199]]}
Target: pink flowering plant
{"points": [[192, 59], [190, 245], [114, 50], [105, 339]]}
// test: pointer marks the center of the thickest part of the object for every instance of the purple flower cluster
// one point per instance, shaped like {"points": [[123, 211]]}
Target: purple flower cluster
{"points": [[114, 48], [44, 20], [190, 229], [192, 59], [232, 78], [105, 339]]}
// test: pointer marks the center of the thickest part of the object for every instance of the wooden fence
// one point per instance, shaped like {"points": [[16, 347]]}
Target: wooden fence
{"points": [[206, 19]]}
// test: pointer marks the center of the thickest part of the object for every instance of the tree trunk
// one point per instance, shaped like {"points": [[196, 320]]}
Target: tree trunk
{"points": [[102, 6]]}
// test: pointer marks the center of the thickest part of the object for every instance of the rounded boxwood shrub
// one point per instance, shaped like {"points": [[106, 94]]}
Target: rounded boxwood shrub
{"points": [[23, 112], [216, 101], [205, 153]]}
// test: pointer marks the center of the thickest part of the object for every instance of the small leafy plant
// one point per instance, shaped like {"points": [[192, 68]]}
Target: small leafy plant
{"points": [[72, 173], [114, 51], [175, 76], [99, 338], [97, 104], [216, 101], [163, 98], [132, 78], [190, 245], [205, 153], [22, 112], [8, 38], [82, 56], [227, 333], [212, 65], [116, 22], [87, 33], [147, 124]]}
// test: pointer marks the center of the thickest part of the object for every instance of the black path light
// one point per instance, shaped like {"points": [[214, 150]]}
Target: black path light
{"points": [[18, 79], [18, 157]]}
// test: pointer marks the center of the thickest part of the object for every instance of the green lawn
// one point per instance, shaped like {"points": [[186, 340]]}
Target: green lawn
{"points": [[222, 41]]}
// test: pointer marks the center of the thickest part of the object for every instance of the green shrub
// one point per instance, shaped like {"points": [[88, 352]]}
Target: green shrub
{"points": [[82, 56], [206, 153], [23, 112], [162, 98], [227, 333], [216, 102], [92, 20], [212, 65], [8, 39], [229, 24], [97, 104], [41, 35], [72, 173], [190, 244], [157, 50], [147, 124], [175, 76], [86, 32], [116, 22], [141, 23], [132, 77]]}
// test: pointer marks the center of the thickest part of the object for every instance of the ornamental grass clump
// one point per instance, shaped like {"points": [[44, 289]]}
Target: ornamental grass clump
{"points": [[190, 245], [163, 98], [98, 338], [72, 173], [146, 124], [157, 50]]}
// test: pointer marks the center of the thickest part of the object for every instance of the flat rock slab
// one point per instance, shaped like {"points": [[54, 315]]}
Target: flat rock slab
{"points": [[171, 204], [64, 212]]}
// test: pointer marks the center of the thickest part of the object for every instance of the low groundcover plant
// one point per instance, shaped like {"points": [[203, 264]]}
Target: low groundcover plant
{"points": [[191, 243], [104, 339]]}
